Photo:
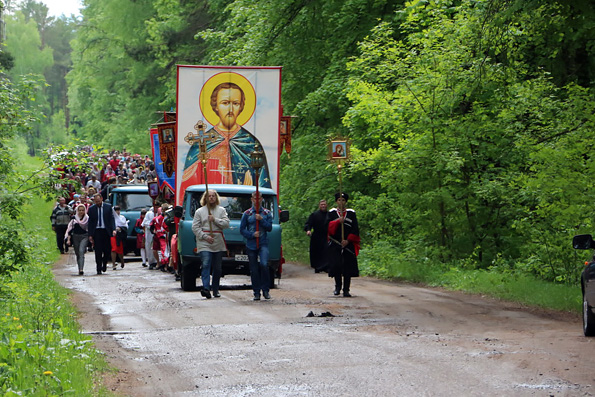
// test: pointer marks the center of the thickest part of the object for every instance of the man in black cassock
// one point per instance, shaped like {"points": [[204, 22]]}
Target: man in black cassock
{"points": [[316, 229]]}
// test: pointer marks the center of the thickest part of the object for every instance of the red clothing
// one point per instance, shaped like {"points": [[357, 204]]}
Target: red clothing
{"points": [[161, 228], [114, 164], [118, 249], [160, 239], [140, 233]]}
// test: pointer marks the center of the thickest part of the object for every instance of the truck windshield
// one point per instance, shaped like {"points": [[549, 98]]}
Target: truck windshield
{"points": [[234, 205], [133, 201]]}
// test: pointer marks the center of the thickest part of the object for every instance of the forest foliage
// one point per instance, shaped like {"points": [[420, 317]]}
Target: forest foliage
{"points": [[470, 121]]}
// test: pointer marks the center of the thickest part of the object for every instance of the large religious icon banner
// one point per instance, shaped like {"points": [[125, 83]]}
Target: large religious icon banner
{"points": [[227, 110]]}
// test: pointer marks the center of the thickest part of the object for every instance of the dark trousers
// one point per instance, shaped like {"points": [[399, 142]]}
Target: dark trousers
{"points": [[345, 284], [60, 233], [103, 249]]}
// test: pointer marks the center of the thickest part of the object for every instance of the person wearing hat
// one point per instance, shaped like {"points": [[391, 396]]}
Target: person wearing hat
{"points": [[343, 248]]}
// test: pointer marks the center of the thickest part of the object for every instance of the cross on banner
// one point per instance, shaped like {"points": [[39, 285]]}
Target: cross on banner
{"points": [[201, 136]]}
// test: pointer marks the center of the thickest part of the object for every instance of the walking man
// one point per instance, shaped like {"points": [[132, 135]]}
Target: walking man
{"points": [[60, 219], [254, 227], [101, 229], [343, 235], [316, 229], [208, 224]]}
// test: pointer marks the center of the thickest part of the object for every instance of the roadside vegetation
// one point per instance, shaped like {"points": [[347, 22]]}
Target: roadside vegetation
{"points": [[42, 349], [383, 261]]}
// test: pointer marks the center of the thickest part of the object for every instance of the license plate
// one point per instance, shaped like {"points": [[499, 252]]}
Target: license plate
{"points": [[241, 258]]}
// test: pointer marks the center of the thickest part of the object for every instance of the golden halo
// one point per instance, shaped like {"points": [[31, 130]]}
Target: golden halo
{"points": [[227, 77]]}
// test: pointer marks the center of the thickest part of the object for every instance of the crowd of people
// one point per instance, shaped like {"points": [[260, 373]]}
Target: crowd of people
{"points": [[107, 169], [84, 220]]}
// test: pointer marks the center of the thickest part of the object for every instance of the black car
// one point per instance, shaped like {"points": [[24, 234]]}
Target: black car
{"points": [[584, 242]]}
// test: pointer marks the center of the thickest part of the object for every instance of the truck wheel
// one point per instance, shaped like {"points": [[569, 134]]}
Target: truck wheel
{"points": [[188, 277], [588, 319]]}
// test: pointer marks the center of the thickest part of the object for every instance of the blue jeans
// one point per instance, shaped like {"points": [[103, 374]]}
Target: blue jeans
{"points": [[259, 272], [211, 259]]}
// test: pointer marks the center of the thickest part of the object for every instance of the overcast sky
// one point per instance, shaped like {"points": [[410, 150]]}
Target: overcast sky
{"points": [[66, 7]]}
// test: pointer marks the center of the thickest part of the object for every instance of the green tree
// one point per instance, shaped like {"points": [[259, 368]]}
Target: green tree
{"points": [[452, 134]]}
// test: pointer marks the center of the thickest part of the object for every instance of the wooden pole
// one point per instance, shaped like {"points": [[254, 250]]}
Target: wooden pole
{"points": [[204, 168], [257, 205], [340, 167]]}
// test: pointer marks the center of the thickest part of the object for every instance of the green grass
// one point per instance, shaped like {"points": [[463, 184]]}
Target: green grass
{"points": [[386, 262], [42, 351]]}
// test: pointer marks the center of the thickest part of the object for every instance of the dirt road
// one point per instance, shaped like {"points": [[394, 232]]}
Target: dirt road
{"points": [[389, 339]]}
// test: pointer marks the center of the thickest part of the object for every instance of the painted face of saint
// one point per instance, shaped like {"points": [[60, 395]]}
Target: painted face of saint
{"points": [[229, 102]]}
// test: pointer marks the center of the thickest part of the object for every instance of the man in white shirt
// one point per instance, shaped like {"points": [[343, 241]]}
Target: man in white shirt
{"points": [[93, 182], [154, 211]]}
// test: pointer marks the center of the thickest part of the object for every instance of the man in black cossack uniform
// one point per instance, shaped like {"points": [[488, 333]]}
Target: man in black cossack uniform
{"points": [[343, 244]]}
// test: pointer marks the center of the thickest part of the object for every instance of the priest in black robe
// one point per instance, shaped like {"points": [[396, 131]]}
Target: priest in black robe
{"points": [[316, 229]]}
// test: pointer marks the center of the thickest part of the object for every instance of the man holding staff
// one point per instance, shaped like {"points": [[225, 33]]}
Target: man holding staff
{"points": [[343, 234]]}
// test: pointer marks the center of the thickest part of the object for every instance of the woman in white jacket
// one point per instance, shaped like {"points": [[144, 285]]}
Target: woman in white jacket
{"points": [[207, 225]]}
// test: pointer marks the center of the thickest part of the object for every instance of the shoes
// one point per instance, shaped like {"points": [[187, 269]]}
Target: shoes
{"points": [[104, 268], [170, 270], [266, 295], [115, 266], [217, 294], [144, 264], [122, 265], [336, 292], [61, 252], [99, 273], [206, 293], [346, 294], [256, 297], [178, 278], [81, 272], [152, 266]]}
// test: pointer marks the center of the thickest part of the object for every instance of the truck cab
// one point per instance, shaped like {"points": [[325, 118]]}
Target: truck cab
{"points": [[131, 199], [235, 199]]}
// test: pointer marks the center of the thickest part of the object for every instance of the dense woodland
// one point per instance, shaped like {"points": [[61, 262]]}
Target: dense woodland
{"points": [[471, 121]]}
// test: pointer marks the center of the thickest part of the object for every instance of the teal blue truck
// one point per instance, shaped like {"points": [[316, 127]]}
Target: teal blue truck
{"points": [[235, 199], [131, 199]]}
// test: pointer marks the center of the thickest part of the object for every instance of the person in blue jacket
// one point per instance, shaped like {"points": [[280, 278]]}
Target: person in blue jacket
{"points": [[254, 226]]}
